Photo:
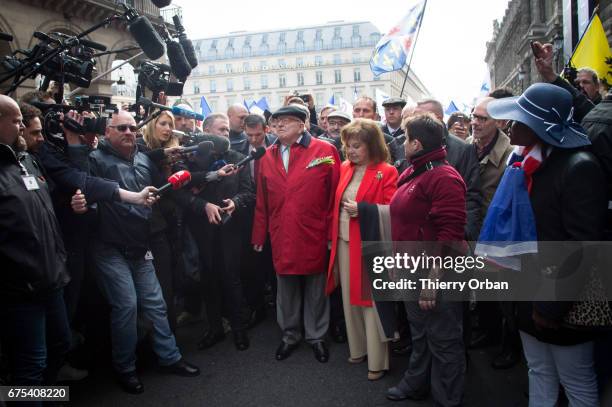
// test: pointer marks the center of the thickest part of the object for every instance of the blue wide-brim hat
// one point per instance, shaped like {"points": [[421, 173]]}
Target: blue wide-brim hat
{"points": [[547, 110]]}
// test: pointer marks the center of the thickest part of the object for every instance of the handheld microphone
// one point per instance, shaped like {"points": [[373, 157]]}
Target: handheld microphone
{"points": [[220, 144], [179, 134], [6, 37], [255, 155], [175, 181], [203, 148], [146, 102], [185, 42], [146, 37]]}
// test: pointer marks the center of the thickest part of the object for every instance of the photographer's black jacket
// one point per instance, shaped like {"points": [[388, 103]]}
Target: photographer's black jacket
{"points": [[123, 224], [67, 177], [31, 248]]}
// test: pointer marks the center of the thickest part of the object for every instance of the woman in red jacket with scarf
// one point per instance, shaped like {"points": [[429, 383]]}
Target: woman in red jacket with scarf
{"points": [[364, 177]]}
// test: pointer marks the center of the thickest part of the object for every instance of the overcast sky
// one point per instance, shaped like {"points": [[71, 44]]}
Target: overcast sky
{"points": [[449, 54]]}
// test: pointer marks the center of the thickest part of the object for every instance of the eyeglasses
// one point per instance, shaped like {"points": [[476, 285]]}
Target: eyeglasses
{"points": [[479, 118], [285, 121], [123, 127]]}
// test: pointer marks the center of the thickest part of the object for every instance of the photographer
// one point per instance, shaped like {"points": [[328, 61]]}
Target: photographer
{"points": [[33, 317], [32, 133]]}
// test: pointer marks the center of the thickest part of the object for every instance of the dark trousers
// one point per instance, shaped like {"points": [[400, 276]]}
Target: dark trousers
{"points": [[437, 360], [75, 264], [220, 277], [255, 274], [164, 265], [35, 338]]}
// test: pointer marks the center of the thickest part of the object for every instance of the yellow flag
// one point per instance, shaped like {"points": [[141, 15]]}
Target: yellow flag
{"points": [[593, 49]]}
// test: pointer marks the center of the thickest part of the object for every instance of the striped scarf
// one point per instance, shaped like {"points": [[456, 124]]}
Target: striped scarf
{"points": [[529, 159]]}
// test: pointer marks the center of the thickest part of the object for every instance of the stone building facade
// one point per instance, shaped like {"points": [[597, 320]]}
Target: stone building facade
{"points": [[20, 18], [509, 56], [324, 60]]}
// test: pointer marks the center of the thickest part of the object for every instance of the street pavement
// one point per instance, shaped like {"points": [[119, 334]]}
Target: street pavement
{"points": [[254, 378]]}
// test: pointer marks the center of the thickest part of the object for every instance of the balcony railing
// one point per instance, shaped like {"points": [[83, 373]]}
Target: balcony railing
{"points": [[169, 12]]}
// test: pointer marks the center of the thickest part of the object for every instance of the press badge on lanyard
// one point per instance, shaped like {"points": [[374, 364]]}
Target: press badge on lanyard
{"points": [[29, 180]]}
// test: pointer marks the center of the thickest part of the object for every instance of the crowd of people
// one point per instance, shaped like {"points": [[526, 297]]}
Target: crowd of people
{"points": [[90, 233]]}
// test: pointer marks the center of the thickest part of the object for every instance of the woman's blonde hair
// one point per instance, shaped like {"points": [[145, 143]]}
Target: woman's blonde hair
{"points": [[151, 139], [368, 132]]}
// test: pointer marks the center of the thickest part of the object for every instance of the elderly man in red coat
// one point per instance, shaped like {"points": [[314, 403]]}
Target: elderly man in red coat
{"points": [[296, 183]]}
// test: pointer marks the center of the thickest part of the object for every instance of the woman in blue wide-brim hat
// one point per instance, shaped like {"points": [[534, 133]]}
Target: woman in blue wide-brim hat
{"points": [[565, 185]]}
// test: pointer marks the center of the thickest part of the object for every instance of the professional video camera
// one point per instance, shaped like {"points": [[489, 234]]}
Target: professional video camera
{"points": [[62, 58], [54, 116], [156, 77]]}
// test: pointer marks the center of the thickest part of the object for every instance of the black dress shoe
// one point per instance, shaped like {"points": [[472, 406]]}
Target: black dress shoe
{"points": [[210, 339], [320, 352], [338, 334], [130, 382], [241, 340], [182, 368], [404, 350], [505, 360], [397, 394], [284, 350]]}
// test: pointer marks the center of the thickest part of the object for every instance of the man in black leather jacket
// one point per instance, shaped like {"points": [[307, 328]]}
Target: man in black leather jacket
{"points": [[124, 267], [33, 318]]}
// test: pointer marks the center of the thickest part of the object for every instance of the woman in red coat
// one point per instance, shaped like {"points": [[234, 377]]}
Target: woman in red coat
{"points": [[364, 177]]}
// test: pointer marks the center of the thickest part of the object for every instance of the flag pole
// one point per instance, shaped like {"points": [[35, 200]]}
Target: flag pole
{"points": [[416, 38]]}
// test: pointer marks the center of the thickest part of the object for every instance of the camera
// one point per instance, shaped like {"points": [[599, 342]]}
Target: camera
{"points": [[156, 77], [305, 98], [73, 65]]}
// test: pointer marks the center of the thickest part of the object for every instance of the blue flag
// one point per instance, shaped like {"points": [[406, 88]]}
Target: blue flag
{"points": [[206, 110], [452, 108], [394, 48], [332, 101], [263, 104]]}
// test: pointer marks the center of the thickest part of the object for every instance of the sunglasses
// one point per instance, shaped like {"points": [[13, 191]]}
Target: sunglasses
{"points": [[123, 127]]}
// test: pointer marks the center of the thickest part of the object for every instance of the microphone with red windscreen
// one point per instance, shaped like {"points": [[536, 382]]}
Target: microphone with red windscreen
{"points": [[175, 181]]}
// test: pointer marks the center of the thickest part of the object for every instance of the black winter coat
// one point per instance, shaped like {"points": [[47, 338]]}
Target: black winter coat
{"points": [[569, 204], [32, 252]]}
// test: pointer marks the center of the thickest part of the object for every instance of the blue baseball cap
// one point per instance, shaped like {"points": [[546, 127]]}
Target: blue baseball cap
{"points": [[547, 110]]}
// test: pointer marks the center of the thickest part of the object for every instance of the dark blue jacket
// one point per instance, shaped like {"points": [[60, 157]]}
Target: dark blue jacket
{"points": [[123, 224]]}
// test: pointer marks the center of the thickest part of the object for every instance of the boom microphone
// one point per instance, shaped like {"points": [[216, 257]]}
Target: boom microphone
{"points": [[175, 181], [185, 42], [255, 155], [178, 62], [146, 37], [161, 3]]}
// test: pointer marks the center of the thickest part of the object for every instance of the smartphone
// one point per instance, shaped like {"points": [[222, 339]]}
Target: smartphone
{"points": [[535, 50], [225, 217]]}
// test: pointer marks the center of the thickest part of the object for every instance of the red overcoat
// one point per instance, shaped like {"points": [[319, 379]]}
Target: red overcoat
{"points": [[295, 207], [377, 187]]}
